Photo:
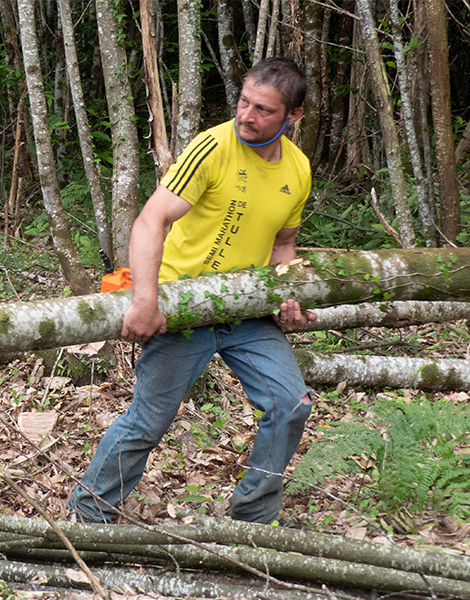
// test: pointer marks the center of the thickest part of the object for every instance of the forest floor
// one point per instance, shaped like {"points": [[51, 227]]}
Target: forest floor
{"points": [[50, 428]]}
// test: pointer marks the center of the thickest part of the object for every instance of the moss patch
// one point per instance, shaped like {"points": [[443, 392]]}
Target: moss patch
{"points": [[48, 333], [89, 314], [5, 322]]}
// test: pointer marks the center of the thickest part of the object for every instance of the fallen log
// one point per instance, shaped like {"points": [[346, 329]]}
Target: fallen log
{"points": [[388, 314], [324, 279], [384, 371], [134, 540]]}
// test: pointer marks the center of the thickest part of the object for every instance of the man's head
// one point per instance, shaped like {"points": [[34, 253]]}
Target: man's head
{"points": [[284, 75], [271, 98]]}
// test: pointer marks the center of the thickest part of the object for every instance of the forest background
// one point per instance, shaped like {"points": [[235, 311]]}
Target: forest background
{"points": [[98, 99]]}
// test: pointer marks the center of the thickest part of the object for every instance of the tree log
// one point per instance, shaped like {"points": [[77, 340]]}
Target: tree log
{"points": [[181, 584], [324, 279], [384, 372], [129, 539]]}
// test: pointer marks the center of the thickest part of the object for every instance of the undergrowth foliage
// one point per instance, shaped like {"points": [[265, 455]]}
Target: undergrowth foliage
{"points": [[415, 453]]}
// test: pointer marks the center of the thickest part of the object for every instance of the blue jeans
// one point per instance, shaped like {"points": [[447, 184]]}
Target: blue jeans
{"points": [[259, 353]]}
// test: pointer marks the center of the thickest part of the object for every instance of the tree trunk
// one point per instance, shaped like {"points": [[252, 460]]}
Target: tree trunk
{"points": [[327, 279], [189, 110], [340, 80], [435, 12], [312, 106], [158, 143], [325, 93], [229, 55], [60, 95], [357, 153], [91, 167], [388, 314], [249, 26], [423, 93], [273, 27], [415, 156], [261, 31], [389, 132], [384, 371], [291, 36], [123, 130], [72, 268]]}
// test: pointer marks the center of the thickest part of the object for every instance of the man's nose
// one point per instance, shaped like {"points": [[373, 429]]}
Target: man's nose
{"points": [[248, 113]]}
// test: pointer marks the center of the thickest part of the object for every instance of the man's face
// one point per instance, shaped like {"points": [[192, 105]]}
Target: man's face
{"points": [[261, 112]]}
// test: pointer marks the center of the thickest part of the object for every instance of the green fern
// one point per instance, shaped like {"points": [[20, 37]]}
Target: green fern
{"points": [[416, 449]]}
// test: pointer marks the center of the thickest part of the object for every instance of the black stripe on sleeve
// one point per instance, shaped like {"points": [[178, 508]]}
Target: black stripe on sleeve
{"points": [[190, 164]]}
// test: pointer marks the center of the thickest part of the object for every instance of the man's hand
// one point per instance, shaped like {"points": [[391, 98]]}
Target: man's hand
{"points": [[290, 317], [141, 323]]}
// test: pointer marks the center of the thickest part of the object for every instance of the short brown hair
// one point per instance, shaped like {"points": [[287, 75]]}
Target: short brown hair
{"points": [[284, 75]]}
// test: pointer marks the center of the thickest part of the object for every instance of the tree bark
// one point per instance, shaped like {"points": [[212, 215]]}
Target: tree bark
{"points": [[341, 78], [389, 132], [189, 110], [225, 531], [357, 153], [430, 232], [158, 141], [296, 565], [440, 101], [326, 279], [229, 55], [91, 167], [249, 26], [384, 372], [123, 130], [261, 31], [312, 106], [72, 268]]}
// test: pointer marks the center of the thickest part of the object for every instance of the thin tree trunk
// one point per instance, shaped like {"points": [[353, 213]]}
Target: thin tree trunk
{"points": [[261, 31], [189, 110], [327, 279], [229, 55], [312, 105], [60, 92], [158, 139], [357, 152], [123, 131], [91, 167], [440, 100], [273, 25], [389, 132], [291, 36], [325, 92], [249, 26], [73, 270], [415, 156], [423, 93], [341, 78]]}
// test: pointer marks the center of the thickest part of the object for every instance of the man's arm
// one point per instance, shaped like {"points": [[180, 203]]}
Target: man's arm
{"points": [[290, 317], [143, 318]]}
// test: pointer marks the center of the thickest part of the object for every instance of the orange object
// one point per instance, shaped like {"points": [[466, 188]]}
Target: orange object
{"points": [[117, 280]]}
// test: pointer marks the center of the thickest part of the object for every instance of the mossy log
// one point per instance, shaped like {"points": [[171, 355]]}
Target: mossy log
{"points": [[384, 371], [323, 279]]}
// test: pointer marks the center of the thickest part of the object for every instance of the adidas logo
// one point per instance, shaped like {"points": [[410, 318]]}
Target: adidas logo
{"points": [[285, 189]]}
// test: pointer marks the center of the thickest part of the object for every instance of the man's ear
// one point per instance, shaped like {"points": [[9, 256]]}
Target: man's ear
{"points": [[295, 115]]}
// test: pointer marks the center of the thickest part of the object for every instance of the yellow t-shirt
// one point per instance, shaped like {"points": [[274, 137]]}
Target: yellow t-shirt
{"points": [[239, 203]]}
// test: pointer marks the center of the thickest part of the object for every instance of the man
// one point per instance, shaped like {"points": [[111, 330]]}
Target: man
{"points": [[234, 198]]}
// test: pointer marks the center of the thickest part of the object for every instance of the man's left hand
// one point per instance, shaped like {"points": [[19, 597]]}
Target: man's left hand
{"points": [[290, 317]]}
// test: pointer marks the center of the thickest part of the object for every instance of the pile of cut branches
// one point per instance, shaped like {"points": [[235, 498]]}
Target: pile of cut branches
{"points": [[140, 556]]}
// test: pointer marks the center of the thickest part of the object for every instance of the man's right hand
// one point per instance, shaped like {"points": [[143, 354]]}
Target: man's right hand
{"points": [[141, 323]]}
